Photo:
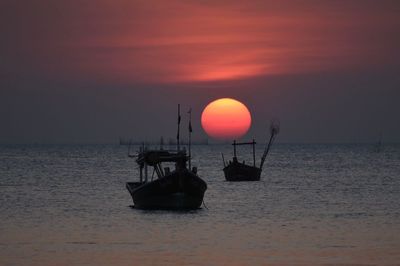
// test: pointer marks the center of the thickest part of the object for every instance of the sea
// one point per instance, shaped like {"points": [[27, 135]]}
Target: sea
{"points": [[316, 204]]}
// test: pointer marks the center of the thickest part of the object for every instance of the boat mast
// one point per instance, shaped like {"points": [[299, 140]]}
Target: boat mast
{"points": [[254, 152], [179, 122], [141, 167], [145, 165], [274, 129], [190, 138]]}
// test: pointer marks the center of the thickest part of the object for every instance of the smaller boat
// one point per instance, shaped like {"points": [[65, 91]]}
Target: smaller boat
{"points": [[240, 171], [180, 189]]}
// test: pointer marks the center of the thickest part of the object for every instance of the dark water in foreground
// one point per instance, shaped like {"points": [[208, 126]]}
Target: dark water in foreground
{"points": [[315, 205]]}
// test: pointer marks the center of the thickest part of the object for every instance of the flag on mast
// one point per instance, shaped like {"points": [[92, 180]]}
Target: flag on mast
{"points": [[190, 120]]}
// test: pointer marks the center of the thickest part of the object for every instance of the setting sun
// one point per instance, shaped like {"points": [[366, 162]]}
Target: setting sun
{"points": [[226, 119]]}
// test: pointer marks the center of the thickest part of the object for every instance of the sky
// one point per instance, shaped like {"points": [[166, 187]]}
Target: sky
{"points": [[80, 71]]}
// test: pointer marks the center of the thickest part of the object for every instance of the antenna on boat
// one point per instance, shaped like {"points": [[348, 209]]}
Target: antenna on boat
{"points": [[190, 138], [254, 152], [179, 122], [234, 148], [274, 129]]}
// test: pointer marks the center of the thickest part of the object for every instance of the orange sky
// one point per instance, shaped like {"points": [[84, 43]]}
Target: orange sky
{"points": [[193, 41], [187, 41]]}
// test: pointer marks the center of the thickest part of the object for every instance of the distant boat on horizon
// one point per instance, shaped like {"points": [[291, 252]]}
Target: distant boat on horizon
{"points": [[123, 141], [161, 142], [378, 145], [240, 171]]}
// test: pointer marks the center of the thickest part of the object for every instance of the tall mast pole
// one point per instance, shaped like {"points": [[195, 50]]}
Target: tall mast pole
{"points": [[234, 148], [190, 138], [274, 129], [254, 153], [179, 122], [266, 150]]}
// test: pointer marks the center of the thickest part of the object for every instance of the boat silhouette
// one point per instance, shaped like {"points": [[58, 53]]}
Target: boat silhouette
{"points": [[240, 171], [179, 189]]}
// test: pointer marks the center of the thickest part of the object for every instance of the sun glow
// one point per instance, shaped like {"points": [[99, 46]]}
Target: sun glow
{"points": [[169, 42], [226, 119]]}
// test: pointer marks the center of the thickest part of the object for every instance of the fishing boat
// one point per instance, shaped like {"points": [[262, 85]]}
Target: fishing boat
{"points": [[240, 171], [180, 189]]}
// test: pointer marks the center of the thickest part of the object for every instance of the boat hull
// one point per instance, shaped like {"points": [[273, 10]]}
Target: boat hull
{"points": [[176, 191], [240, 172]]}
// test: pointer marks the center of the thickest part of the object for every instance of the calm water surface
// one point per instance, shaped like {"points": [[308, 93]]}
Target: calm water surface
{"points": [[315, 205]]}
